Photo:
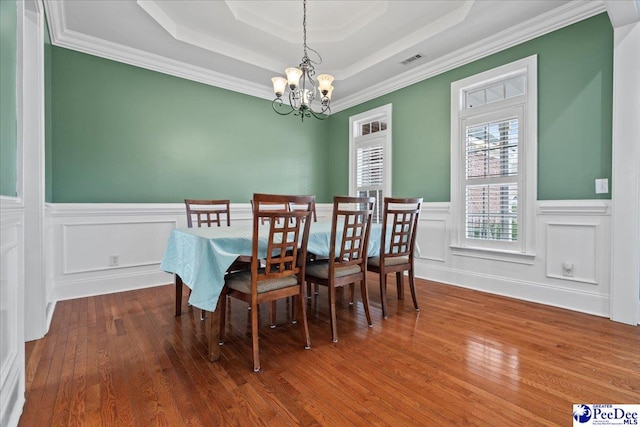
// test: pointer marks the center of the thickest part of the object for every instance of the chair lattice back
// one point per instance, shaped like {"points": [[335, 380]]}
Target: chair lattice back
{"points": [[287, 229], [283, 244], [400, 226], [353, 216], [207, 212], [271, 206]]}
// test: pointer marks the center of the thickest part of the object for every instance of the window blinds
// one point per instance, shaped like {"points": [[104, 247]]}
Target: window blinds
{"points": [[491, 189], [370, 174]]}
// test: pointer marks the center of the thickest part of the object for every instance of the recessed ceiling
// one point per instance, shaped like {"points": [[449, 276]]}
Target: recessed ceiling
{"points": [[240, 45]]}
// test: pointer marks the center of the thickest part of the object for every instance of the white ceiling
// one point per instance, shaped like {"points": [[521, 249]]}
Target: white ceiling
{"points": [[240, 45]]}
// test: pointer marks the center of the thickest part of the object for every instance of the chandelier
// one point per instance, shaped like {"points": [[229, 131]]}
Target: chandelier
{"points": [[302, 86]]}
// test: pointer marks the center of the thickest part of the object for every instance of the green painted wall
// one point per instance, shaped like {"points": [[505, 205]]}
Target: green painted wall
{"points": [[126, 134], [575, 89], [8, 106]]}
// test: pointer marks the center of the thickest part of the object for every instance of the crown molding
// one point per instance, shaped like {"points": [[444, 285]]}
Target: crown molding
{"points": [[63, 37], [568, 14], [563, 16]]}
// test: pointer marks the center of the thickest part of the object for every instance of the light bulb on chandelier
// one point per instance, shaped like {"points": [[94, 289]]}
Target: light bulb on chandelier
{"points": [[302, 86]]}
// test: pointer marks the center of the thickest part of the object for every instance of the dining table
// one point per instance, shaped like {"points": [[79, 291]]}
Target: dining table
{"points": [[201, 257]]}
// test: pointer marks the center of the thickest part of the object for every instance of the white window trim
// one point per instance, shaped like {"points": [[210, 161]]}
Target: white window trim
{"points": [[384, 111], [525, 251]]}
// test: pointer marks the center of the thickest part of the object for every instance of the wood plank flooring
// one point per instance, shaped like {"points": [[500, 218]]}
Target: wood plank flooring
{"points": [[467, 358]]}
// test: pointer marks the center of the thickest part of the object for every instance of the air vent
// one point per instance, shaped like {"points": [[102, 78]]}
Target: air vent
{"points": [[412, 58]]}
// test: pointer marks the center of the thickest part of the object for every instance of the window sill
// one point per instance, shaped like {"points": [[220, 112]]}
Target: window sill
{"points": [[494, 254]]}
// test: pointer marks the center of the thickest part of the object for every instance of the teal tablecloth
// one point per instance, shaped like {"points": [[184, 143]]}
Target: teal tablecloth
{"points": [[201, 256]]}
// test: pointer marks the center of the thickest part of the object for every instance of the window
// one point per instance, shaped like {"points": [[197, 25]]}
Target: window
{"points": [[370, 156], [493, 162]]}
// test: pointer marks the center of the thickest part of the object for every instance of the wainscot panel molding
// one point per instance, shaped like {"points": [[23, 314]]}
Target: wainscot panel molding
{"points": [[567, 232], [571, 268], [100, 248], [12, 357], [108, 247]]}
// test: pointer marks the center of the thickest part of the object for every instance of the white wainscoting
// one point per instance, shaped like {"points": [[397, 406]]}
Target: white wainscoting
{"points": [[12, 363], [575, 233], [85, 237], [83, 240]]}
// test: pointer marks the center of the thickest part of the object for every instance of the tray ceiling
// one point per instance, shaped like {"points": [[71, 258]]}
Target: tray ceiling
{"points": [[240, 45]]}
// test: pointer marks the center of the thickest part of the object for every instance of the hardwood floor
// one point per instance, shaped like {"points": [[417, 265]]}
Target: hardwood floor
{"points": [[467, 358]]}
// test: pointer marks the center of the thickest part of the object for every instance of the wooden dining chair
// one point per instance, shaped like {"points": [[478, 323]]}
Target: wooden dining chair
{"points": [[207, 212], [397, 243], [274, 206], [350, 225], [280, 272]]}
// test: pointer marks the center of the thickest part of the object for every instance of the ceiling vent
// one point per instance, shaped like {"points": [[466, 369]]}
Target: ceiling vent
{"points": [[412, 59]]}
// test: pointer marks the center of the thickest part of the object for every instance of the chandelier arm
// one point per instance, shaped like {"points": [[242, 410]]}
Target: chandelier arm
{"points": [[318, 115], [278, 102]]}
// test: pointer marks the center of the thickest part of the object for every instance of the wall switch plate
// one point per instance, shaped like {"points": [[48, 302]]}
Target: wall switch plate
{"points": [[602, 186], [114, 260]]}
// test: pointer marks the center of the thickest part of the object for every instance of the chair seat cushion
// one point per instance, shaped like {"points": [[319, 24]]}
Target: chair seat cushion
{"points": [[397, 260], [241, 282], [321, 269]]}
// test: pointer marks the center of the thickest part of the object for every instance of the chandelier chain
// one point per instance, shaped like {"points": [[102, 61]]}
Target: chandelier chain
{"points": [[304, 27]]}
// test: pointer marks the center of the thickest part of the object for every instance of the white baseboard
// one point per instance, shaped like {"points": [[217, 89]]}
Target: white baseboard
{"points": [[542, 293], [107, 284]]}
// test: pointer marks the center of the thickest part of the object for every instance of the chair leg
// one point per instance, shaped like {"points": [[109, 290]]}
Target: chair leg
{"points": [[383, 293], [308, 290], [305, 325], [178, 282], [400, 284], [214, 331], [222, 306], [294, 307], [272, 314], [254, 338], [365, 301], [351, 293], [214, 328], [332, 311], [412, 286]]}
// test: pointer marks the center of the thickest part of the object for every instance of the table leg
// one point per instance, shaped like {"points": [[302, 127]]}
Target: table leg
{"points": [[178, 281], [214, 332]]}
